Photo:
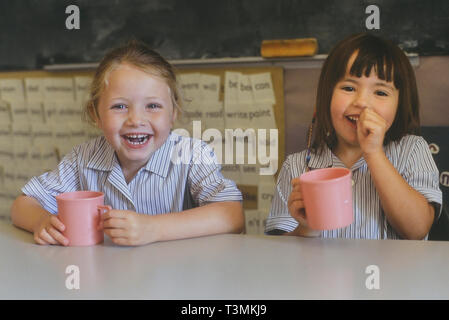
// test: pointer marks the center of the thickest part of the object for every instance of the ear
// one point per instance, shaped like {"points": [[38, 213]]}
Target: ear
{"points": [[175, 115], [93, 113]]}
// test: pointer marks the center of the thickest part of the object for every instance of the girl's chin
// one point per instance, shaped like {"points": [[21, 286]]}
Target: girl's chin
{"points": [[127, 160], [135, 155], [350, 141]]}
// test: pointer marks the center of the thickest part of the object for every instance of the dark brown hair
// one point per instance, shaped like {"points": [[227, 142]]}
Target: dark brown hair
{"points": [[139, 55], [389, 62]]}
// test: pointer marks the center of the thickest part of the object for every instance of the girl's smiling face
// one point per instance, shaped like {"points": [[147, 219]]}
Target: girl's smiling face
{"points": [[135, 113], [353, 94]]}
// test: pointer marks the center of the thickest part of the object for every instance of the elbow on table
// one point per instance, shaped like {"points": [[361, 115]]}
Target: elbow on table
{"points": [[416, 236], [238, 217], [14, 211], [419, 233]]}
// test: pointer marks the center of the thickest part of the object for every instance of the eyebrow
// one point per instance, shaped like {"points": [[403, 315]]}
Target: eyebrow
{"points": [[382, 84], [146, 98]]}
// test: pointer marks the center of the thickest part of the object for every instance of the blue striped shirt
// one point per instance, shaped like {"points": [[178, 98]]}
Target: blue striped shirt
{"points": [[158, 187], [410, 156]]}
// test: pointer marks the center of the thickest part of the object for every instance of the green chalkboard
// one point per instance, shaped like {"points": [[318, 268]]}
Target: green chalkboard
{"points": [[33, 33]]}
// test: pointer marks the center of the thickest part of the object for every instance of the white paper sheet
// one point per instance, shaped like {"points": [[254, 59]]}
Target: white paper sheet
{"points": [[263, 88], [213, 116], [10, 177], [209, 87], [263, 216], [5, 113], [62, 138], [35, 161], [231, 172], [6, 145], [252, 222], [6, 200], [261, 116], [77, 133], [245, 90], [82, 87], [36, 112], [92, 132], [190, 87], [237, 116], [22, 142], [69, 111], [53, 111], [250, 174], [7, 160], [21, 134], [49, 157], [12, 90], [34, 89], [231, 88], [19, 110], [42, 134], [265, 196], [43, 140], [58, 89]]}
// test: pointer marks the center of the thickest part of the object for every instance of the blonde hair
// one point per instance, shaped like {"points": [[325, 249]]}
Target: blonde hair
{"points": [[139, 55]]}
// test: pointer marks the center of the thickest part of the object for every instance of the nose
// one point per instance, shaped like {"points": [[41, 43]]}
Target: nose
{"points": [[135, 118], [361, 99]]}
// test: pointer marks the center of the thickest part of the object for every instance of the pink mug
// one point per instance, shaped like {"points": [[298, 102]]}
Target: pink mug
{"points": [[327, 195], [80, 212]]}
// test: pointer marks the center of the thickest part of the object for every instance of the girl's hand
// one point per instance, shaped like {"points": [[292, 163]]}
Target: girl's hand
{"points": [[127, 228], [371, 129], [48, 231], [298, 212], [296, 203]]}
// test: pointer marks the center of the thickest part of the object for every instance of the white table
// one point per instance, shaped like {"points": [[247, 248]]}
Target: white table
{"points": [[224, 267]]}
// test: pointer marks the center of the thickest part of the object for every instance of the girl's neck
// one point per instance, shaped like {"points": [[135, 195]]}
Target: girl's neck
{"points": [[348, 154], [130, 170]]}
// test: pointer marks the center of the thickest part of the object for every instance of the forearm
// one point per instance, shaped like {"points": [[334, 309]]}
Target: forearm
{"points": [[213, 218], [408, 212], [26, 212]]}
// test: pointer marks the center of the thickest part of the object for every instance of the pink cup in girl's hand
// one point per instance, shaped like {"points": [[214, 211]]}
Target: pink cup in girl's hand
{"points": [[327, 195], [80, 212]]}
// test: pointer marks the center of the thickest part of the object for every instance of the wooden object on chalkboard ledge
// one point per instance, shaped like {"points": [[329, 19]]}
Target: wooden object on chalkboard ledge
{"points": [[289, 48]]}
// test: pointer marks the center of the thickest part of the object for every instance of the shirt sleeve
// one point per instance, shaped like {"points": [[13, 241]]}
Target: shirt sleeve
{"points": [[279, 218], [205, 179], [64, 178], [422, 174]]}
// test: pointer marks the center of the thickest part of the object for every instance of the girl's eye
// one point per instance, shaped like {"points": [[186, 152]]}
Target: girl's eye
{"points": [[118, 106], [153, 106], [382, 93], [348, 88]]}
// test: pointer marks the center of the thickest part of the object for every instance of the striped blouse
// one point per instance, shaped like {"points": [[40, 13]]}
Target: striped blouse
{"points": [[410, 156], [159, 187]]}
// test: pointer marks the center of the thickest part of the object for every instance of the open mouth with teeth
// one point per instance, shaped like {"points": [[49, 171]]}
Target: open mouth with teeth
{"points": [[353, 119], [136, 140]]}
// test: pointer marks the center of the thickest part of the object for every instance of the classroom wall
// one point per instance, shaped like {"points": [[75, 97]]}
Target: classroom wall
{"points": [[34, 34]]}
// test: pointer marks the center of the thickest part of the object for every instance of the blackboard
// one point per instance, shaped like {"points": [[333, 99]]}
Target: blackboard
{"points": [[33, 32]]}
